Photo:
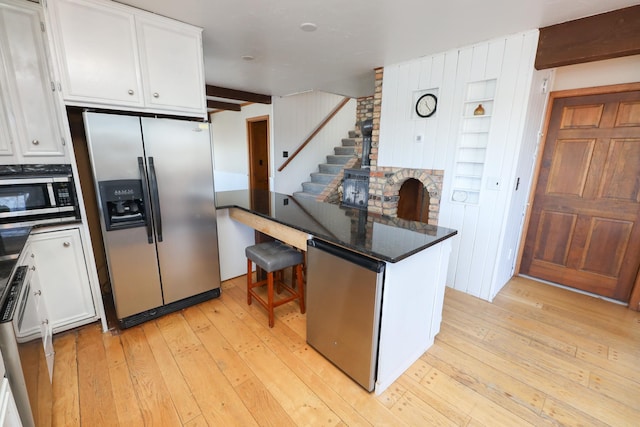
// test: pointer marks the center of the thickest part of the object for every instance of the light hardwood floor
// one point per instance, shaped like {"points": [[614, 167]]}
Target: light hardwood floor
{"points": [[538, 355]]}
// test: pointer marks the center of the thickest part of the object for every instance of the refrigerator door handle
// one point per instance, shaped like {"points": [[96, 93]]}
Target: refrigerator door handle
{"points": [[153, 181], [145, 194]]}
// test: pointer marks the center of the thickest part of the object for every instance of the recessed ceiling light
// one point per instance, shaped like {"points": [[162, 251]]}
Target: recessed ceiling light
{"points": [[308, 27], [247, 57]]}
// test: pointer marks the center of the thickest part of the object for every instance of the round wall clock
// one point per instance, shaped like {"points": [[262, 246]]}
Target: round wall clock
{"points": [[426, 105]]}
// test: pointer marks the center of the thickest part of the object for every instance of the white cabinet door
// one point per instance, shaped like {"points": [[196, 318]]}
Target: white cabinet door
{"points": [[6, 148], [171, 61], [64, 277], [115, 56], [97, 52], [9, 416], [33, 320], [27, 89]]}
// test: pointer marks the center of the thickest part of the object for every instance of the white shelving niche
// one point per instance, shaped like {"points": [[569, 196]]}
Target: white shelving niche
{"points": [[473, 141]]}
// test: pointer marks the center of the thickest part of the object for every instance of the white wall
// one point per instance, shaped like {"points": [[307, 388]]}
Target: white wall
{"points": [[231, 172], [230, 146], [599, 73], [295, 118], [477, 256]]}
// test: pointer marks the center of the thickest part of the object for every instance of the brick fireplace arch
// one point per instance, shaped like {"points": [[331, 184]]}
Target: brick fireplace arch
{"points": [[384, 189]]}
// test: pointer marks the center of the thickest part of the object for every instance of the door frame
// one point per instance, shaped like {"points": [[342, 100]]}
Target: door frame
{"points": [[634, 299], [250, 144]]}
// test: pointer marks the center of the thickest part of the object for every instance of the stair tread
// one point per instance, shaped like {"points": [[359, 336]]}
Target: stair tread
{"points": [[304, 194]]}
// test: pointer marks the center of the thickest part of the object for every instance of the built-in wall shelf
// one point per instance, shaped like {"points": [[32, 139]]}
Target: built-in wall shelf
{"points": [[473, 140]]}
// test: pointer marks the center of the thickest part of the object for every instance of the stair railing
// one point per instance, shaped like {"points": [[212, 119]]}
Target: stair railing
{"points": [[322, 124]]}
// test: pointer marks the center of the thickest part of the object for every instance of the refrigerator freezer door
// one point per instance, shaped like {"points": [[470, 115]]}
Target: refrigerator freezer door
{"points": [[180, 152], [115, 143], [344, 292]]}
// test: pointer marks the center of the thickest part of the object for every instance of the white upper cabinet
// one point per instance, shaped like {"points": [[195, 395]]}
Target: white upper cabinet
{"points": [[97, 52], [115, 56], [172, 64], [28, 114], [5, 134]]}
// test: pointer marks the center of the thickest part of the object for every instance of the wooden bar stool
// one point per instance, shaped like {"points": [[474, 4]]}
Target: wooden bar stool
{"points": [[273, 257]]}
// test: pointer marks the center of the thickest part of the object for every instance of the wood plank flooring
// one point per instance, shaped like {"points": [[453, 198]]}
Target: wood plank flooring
{"points": [[538, 355]]}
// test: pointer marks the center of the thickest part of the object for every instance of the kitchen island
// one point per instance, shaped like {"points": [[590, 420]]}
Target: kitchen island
{"points": [[415, 255]]}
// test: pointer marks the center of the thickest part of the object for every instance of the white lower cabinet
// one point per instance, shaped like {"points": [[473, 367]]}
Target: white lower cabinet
{"points": [[9, 416], [33, 320], [64, 278]]}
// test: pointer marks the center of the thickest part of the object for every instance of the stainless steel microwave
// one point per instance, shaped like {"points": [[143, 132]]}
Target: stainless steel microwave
{"points": [[28, 200]]}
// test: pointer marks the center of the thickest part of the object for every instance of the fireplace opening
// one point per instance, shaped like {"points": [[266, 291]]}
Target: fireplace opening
{"points": [[413, 201]]}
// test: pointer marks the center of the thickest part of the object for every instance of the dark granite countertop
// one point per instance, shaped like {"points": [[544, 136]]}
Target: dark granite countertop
{"points": [[383, 238], [12, 242]]}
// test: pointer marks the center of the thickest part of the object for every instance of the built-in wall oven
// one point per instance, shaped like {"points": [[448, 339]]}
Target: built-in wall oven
{"points": [[30, 196], [37, 195]]}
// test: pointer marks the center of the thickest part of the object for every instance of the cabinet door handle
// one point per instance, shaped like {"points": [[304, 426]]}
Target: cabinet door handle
{"points": [[45, 322], [35, 142], [156, 95], [33, 268], [66, 244], [130, 92], [37, 293]]}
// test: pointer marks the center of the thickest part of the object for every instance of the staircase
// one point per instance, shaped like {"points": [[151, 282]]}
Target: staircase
{"points": [[327, 172]]}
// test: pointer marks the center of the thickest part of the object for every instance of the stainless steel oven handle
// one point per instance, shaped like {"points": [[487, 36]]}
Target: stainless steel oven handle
{"points": [[25, 294], [44, 211], [145, 194], [153, 182], [21, 181]]}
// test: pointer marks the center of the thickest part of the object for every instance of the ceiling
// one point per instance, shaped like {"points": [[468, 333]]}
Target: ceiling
{"points": [[352, 38]]}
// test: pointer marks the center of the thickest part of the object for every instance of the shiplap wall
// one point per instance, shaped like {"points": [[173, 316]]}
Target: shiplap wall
{"points": [[295, 118], [478, 262]]}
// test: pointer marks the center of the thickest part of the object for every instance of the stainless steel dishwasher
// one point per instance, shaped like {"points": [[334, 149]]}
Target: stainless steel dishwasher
{"points": [[344, 298]]}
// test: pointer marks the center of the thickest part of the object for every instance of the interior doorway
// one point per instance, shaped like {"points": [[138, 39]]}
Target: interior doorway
{"points": [[260, 200], [258, 139], [584, 227]]}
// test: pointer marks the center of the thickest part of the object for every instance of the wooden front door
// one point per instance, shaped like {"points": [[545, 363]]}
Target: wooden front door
{"points": [[584, 229]]}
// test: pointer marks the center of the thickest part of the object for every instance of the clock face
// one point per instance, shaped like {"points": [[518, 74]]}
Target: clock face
{"points": [[426, 105]]}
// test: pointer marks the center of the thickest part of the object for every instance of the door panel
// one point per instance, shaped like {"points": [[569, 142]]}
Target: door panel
{"points": [[115, 143], [188, 252], [584, 229], [569, 167], [621, 177]]}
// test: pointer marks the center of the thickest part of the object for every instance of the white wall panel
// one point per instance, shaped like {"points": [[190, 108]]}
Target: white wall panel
{"points": [[474, 261], [230, 146], [511, 227], [233, 238], [295, 118], [598, 73]]}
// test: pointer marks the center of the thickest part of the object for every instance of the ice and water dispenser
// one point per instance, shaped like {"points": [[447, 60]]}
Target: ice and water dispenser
{"points": [[123, 204]]}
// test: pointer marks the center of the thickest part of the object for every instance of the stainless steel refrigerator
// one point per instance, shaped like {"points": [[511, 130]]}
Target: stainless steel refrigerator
{"points": [[154, 184]]}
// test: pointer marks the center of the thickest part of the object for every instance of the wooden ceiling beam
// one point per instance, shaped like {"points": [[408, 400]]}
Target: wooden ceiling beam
{"points": [[219, 105], [605, 36], [222, 92]]}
